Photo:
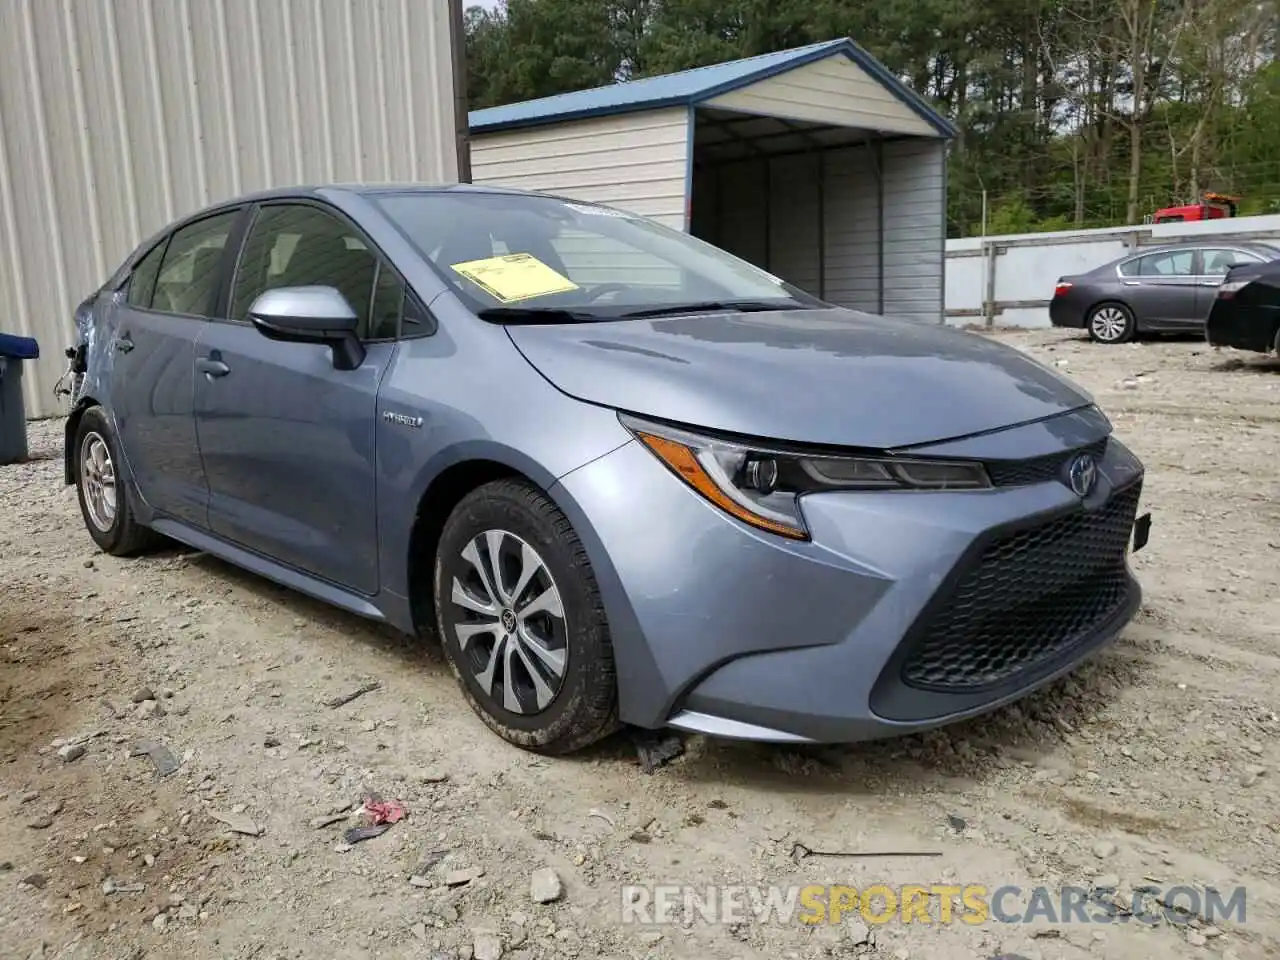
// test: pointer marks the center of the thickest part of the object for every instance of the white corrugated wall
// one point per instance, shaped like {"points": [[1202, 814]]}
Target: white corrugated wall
{"points": [[834, 91], [117, 116], [636, 161]]}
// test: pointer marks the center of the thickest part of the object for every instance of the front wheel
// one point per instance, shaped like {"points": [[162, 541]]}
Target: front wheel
{"points": [[521, 620], [1111, 323]]}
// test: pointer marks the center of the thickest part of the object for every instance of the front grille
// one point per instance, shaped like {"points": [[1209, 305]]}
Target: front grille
{"points": [[1018, 473], [1030, 596]]}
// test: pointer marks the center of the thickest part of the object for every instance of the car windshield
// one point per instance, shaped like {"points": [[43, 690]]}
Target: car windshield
{"points": [[516, 258]]}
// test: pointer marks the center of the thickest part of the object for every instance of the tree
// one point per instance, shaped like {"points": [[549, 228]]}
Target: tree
{"points": [[1090, 112]]}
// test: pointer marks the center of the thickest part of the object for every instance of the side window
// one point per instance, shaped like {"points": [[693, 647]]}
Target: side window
{"points": [[294, 245], [1218, 262], [142, 283], [1175, 264], [388, 305], [189, 273], [1130, 268]]}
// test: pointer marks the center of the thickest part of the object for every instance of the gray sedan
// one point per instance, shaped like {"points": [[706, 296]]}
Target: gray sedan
{"points": [[1158, 290], [623, 476]]}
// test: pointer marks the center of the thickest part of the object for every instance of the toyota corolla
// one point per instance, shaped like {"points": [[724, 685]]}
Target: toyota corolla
{"points": [[623, 476]]}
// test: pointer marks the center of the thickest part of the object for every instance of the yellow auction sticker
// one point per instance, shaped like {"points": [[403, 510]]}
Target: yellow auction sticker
{"points": [[514, 277]]}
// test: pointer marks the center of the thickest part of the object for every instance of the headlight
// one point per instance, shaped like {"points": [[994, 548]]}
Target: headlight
{"points": [[762, 486]]}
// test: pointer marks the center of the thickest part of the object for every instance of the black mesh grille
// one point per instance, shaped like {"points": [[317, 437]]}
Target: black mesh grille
{"points": [[1029, 596], [1017, 473]]}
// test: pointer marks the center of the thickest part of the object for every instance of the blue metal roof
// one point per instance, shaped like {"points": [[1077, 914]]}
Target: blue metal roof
{"points": [[689, 87]]}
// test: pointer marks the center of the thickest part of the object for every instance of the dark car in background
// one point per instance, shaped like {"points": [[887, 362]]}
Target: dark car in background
{"points": [[1166, 289], [1246, 312]]}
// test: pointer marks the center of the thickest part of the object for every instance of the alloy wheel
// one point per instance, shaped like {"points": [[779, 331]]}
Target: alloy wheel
{"points": [[510, 623], [1109, 324], [98, 479]]}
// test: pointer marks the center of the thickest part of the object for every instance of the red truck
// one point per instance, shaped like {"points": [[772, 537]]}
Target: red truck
{"points": [[1213, 206]]}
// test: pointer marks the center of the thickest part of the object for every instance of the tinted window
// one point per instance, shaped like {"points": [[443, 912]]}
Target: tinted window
{"points": [[189, 273], [142, 284], [388, 305], [1218, 262], [296, 246], [1176, 264]]}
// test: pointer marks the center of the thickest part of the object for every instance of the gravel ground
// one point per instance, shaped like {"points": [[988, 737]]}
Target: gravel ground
{"points": [[1156, 762]]}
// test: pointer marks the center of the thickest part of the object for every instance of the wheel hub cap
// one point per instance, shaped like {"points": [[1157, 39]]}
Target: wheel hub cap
{"points": [[1108, 323], [98, 481], [509, 622]]}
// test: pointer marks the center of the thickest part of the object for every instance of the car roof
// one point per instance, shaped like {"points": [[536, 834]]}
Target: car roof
{"points": [[1269, 249], [317, 191], [1207, 242], [320, 190]]}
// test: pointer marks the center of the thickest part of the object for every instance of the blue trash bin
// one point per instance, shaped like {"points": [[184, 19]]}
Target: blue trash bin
{"points": [[14, 351]]}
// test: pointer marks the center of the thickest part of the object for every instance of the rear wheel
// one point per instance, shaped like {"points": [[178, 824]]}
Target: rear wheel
{"points": [[104, 499], [521, 620], [1111, 323]]}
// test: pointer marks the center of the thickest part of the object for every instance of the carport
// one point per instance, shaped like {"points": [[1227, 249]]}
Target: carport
{"points": [[815, 164]]}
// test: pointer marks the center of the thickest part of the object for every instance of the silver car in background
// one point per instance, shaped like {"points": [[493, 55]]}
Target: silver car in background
{"points": [[623, 476]]}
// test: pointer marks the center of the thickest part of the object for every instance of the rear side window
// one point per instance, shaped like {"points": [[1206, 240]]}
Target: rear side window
{"points": [[142, 284], [189, 273], [1218, 262]]}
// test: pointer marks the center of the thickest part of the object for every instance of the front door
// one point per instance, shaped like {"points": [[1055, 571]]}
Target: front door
{"points": [[153, 331], [286, 439]]}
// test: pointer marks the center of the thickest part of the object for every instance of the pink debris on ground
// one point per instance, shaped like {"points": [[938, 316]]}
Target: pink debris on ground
{"points": [[383, 811]]}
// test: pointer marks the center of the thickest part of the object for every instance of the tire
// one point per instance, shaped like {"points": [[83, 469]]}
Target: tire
{"points": [[104, 499], [1111, 323], [506, 659]]}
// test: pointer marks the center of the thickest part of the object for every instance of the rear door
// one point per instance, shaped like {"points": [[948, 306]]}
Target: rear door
{"points": [[1163, 288], [166, 302], [287, 440]]}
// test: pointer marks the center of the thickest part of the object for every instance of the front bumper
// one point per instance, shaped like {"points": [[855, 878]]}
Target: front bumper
{"points": [[906, 611]]}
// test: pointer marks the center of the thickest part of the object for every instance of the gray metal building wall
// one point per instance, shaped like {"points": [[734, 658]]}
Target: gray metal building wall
{"points": [[116, 116], [880, 213], [915, 228]]}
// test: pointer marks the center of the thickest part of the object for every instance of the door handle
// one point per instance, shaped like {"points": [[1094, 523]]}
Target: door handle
{"points": [[212, 368], [122, 344], [1133, 283]]}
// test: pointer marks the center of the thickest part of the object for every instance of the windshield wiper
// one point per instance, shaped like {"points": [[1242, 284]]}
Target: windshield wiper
{"points": [[709, 306], [513, 316]]}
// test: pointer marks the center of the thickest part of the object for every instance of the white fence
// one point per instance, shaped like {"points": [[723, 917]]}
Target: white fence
{"points": [[1007, 281]]}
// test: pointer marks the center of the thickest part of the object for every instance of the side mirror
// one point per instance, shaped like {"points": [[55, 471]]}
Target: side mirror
{"points": [[310, 315]]}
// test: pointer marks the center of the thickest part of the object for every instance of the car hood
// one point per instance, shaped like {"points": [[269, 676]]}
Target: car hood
{"points": [[825, 376]]}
